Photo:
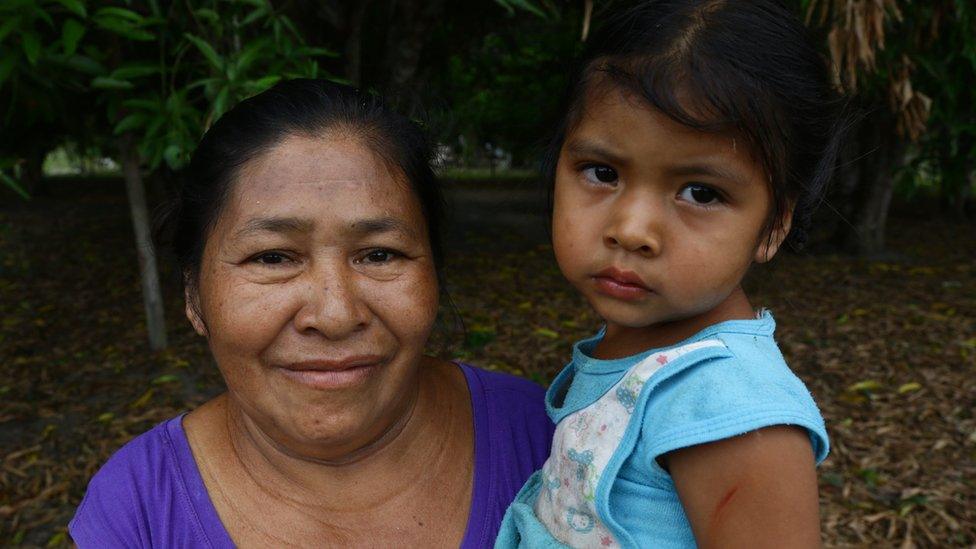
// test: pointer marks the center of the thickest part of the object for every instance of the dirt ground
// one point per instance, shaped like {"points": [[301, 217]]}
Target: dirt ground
{"points": [[888, 348]]}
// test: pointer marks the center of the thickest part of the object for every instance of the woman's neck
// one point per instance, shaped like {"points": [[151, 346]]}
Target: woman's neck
{"points": [[622, 341], [391, 464]]}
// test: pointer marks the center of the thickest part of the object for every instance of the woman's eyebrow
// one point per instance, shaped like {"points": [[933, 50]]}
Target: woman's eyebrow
{"points": [[361, 227], [366, 227], [276, 225]]}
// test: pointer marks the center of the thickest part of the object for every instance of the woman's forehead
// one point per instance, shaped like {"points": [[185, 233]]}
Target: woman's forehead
{"points": [[319, 179]]}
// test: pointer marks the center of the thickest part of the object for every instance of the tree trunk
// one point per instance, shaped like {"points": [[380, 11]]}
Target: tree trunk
{"points": [[354, 43], [406, 43], [32, 174], [956, 168], [835, 218], [151, 295], [877, 185]]}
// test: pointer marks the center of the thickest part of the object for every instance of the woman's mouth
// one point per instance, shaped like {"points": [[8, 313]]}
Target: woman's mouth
{"points": [[625, 285], [332, 374]]}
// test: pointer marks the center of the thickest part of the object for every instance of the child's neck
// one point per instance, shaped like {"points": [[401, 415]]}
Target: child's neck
{"points": [[621, 341]]}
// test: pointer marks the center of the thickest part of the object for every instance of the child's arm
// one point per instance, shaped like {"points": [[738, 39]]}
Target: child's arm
{"points": [[754, 490]]}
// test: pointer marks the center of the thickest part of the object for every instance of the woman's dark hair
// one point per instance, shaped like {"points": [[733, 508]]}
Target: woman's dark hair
{"points": [[300, 107], [746, 67]]}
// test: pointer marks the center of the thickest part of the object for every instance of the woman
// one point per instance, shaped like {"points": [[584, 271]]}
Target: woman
{"points": [[307, 235]]}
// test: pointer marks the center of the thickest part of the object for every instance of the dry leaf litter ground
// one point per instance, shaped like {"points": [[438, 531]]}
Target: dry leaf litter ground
{"points": [[888, 349]]}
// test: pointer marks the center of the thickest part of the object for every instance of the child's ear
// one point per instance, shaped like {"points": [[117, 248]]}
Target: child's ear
{"points": [[192, 310], [770, 244]]}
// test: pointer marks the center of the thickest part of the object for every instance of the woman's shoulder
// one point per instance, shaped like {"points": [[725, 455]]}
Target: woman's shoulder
{"points": [[510, 409], [143, 495], [113, 509], [506, 388]]}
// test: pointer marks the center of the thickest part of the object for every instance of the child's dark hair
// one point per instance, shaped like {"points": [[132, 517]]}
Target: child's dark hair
{"points": [[746, 67]]}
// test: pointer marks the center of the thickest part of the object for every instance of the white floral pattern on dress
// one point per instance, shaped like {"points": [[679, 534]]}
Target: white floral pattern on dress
{"points": [[582, 446]]}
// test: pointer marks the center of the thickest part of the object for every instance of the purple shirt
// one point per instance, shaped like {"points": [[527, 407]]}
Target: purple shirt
{"points": [[150, 493]]}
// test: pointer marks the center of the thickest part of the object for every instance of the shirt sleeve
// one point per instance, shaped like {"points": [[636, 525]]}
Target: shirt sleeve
{"points": [[726, 397], [108, 516]]}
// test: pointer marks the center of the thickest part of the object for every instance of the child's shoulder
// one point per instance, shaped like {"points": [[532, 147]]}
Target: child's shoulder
{"points": [[743, 385]]}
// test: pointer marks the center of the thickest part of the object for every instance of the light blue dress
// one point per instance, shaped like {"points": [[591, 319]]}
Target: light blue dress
{"points": [[602, 485]]}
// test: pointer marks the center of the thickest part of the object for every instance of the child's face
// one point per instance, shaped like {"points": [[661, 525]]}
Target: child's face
{"points": [[655, 222]]}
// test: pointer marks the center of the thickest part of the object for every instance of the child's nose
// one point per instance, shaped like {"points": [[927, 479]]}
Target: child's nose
{"points": [[635, 230]]}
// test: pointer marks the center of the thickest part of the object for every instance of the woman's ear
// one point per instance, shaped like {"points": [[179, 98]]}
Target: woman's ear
{"points": [[769, 245], [192, 309]]}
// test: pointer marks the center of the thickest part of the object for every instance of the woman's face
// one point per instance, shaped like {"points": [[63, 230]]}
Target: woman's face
{"points": [[317, 294]]}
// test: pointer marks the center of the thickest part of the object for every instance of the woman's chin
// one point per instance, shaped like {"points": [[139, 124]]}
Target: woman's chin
{"points": [[327, 433]]}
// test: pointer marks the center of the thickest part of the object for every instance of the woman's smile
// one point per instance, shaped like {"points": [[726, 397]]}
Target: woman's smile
{"points": [[332, 374]]}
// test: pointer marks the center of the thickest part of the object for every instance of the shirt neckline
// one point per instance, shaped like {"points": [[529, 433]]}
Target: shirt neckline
{"points": [[584, 362], [205, 514]]}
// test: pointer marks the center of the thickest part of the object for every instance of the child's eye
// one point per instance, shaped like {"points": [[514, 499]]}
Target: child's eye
{"points": [[701, 195], [379, 256], [600, 174]]}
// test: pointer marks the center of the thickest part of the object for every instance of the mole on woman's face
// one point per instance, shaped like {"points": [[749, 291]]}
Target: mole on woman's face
{"points": [[318, 291]]}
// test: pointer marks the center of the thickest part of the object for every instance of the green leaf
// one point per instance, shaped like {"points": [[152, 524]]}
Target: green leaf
{"points": [[44, 16], [7, 26], [120, 13], [85, 64], [7, 64], [57, 539], [316, 52], [165, 378], [105, 83], [220, 102], [75, 6], [207, 51], [129, 123], [174, 158], [526, 5], [155, 125], [71, 33], [262, 84], [254, 16], [208, 15], [865, 386], [14, 186], [249, 54], [909, 387], [32, 46], [203, 82], [546, 332], [134, 70], [124, 28]]}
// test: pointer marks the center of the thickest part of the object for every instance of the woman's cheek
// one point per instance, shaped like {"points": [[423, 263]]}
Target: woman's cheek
{"points": [[411, 304], [252, 315]]}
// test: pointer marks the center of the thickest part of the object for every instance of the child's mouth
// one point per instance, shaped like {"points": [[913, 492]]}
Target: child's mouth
{"points": [[619, 284]]}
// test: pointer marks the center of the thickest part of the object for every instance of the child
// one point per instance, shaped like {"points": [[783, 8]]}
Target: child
{"points": [[699, 136]]}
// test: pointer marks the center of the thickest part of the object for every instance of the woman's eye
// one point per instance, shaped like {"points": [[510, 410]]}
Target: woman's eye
{"points": [[271, 258], [700, 194], [379, 257], [600, 174]]}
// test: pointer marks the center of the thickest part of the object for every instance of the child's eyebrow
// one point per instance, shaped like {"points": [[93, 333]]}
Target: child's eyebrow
{"points": [[709, 170], [591, 149]]}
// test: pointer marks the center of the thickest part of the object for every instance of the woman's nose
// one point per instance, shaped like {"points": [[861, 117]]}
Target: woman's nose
{"points": [[332, 306], [636, 226]]}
